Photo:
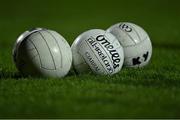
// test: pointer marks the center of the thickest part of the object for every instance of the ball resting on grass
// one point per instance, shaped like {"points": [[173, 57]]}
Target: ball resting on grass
{"points": [[42, 52], [98, 51], [136, 43]]}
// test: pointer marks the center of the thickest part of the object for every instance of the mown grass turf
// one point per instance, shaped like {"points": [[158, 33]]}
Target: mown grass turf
{"points": [[150, 92]]}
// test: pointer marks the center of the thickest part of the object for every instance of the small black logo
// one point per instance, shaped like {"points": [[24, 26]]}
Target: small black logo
{"points": [[125, 27], [146, 56], [136, 61]]}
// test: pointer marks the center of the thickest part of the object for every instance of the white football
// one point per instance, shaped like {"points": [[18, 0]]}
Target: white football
{"points": [[42, 52], [136, 43], [98, 51]]}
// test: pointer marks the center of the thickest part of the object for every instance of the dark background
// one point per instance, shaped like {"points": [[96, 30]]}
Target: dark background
{"points": [[150, 92]]}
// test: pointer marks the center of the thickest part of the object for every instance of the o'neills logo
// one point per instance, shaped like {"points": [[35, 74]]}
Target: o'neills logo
{"points": [[113, 52]]}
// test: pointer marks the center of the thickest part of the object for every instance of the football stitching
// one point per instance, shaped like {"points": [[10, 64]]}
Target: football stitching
{"points": [[128, 35], [49, 51], [136, 44], [135, 32], [57, 44], [36, 50]]}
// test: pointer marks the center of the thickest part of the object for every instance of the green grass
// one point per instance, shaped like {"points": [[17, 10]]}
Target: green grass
{"points": [[150, 92]]}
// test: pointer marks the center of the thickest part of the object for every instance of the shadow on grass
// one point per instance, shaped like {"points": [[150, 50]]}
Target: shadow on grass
{"points": [[10, 75], [134, 77], [4, 74]]}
